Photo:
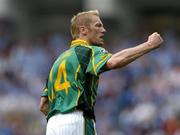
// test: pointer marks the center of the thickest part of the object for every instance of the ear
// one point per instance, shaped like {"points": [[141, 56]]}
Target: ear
{"points": [[83, 30]]}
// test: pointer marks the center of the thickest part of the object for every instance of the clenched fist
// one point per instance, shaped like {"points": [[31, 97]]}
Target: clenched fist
{"points": [[155, 40]]}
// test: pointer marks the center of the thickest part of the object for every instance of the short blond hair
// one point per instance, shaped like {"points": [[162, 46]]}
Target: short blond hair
{"points": [[82, 18]]}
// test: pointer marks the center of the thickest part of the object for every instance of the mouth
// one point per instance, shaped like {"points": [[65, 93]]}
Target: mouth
{"points": [[101, 36], [101, 39]]}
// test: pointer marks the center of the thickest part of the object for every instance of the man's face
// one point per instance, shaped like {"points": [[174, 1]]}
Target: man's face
{"points": [[96, 31]]}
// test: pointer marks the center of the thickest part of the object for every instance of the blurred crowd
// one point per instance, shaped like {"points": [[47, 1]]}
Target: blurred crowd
{"points": [[142, 98]]}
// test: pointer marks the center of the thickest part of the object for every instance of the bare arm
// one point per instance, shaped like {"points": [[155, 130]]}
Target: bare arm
{"points": [[44, 105], [126, 56]]}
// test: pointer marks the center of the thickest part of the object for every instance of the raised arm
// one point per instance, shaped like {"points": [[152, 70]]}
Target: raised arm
{"points": [[126, 56], [44, 105]]}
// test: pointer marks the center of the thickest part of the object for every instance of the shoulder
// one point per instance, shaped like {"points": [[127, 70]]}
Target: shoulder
{"points": [[99, 50], [83, 49]]}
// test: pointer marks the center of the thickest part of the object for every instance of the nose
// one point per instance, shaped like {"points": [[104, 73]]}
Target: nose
{"points": [[104, 30]]}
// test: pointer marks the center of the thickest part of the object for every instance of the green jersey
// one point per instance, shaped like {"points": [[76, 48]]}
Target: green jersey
{"points": [[73, 79]]}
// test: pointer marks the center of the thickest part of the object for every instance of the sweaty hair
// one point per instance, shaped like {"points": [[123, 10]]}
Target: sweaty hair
{"points": [[82, 18]]}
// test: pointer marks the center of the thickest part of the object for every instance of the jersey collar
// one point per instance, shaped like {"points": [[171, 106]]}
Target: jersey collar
{"points": [[79, 42]]}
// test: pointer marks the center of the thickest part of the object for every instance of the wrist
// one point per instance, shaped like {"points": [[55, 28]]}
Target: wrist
{"points": [[150, 44]]}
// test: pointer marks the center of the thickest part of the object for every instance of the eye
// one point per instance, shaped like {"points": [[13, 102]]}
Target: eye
{"points": [[98, 25]]}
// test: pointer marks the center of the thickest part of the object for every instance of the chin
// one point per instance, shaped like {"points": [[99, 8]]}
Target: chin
{"points": [[101, 44]]}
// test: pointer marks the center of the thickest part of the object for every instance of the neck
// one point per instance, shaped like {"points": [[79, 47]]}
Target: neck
{"points": [[84, 38]]}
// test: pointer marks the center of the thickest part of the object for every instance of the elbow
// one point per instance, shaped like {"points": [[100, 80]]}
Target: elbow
{"points": [[111, 63], [41, 108], [44, 105], [44, 109], [114, 63]]}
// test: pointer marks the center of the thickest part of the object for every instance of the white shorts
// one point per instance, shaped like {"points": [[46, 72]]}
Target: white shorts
{"points": [[66, 124]]}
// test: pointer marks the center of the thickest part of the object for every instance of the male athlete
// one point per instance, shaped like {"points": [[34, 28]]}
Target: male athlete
{"points": [[69, 96]]}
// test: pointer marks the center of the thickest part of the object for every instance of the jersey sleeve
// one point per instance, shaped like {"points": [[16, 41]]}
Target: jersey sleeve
{"points": [[45, 90], [44, 93], [99, 57]]}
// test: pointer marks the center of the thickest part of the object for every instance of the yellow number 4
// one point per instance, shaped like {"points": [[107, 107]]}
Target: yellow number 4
{"points": [[62, 73]]}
